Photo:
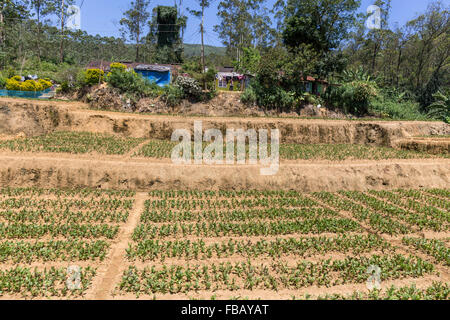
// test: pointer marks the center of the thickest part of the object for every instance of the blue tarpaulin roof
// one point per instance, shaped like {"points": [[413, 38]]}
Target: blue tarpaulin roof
{"points": [[23, 94], [158, 74]]}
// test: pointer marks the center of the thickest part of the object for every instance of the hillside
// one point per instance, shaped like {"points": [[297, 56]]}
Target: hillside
{"points": [[195, 50]]}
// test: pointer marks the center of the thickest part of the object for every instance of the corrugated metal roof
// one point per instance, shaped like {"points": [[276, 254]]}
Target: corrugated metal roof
{"points": [[152, 67]]}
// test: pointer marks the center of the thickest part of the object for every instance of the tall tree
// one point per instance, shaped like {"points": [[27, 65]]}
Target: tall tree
{"points": [[323, 24], [4, 4], [41, 8], [428, 28], [238, 21], [60, 8], [10, 9], [165, 35], [316, 28], [377, 37], [134, 22], [201, 14]]}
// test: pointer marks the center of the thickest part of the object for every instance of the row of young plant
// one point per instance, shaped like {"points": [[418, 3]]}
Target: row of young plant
{"points": [[411, 205], [422, 221], [425, 198], [46, 283], [63, 216], [223, 229], [435, 248], [198, 194], [377, 221], [275, 276], [335, 152], [63, 204], [53, 250], [235, 215], [231, 203], [445, 193], [158, 250], [73, 142], [338, 152], [437, 291], [69, 231], [73, 192]]}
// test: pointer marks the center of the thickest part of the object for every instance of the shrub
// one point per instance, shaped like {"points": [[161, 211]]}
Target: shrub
{"points": [[16, 78], [398, 110], [65, 87], [190, 87], [131, 83], [29, 85], [10, 72], [352, 97], [172, 95], [46, 83], [440, 108], [93, 76], [271, 97], [118, 66], [2, 82], [70, 76], [248, 97], [12, 84]]}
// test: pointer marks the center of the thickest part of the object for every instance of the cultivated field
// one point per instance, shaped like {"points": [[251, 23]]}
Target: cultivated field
{"points": [[97, 190], [224, 244]]}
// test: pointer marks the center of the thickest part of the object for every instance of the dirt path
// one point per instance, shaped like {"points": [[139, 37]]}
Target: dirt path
{"points": [[115, 267], [144, 175]]}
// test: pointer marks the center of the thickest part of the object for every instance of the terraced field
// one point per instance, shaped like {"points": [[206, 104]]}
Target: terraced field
{"points": [[224, 244], [85, 142], [44, 231]]}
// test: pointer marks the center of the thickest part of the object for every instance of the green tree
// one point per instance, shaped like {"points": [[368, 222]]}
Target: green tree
{"points": [[316, 28], [42, 8], [250, 61], [428, 27], [134, 22], [324, 24], [165, 36], [243, 24]]}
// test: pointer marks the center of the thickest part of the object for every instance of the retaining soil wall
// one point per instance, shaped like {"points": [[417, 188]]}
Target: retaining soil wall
{"points": [[40, 117]]}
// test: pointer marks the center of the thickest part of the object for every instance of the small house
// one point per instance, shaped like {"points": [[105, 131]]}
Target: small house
{"points": [[315, 86], [161, 75], [229, 80]]}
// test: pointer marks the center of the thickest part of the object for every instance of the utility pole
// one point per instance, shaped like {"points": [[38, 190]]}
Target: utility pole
{"points": [[203, 44], [61, 48]]}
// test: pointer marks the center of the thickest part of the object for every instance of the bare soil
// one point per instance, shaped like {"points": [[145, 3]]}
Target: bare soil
{"points": [[33, 118], [428, 145], [20, 118], [115, 172]]}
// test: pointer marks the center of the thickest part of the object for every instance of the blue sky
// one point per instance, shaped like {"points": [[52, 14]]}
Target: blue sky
{"points": [[103, 16]]}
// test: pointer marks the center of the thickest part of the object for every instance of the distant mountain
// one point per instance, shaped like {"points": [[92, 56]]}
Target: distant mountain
{"points": [[191, 50]]}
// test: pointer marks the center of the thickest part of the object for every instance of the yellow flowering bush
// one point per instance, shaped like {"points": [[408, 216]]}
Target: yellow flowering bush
{"points": [[94, 76], [118, 66], [29, 85], [12, 84]]}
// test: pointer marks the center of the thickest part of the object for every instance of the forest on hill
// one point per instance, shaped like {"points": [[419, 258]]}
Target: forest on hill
{"points": [[399, 71]]}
